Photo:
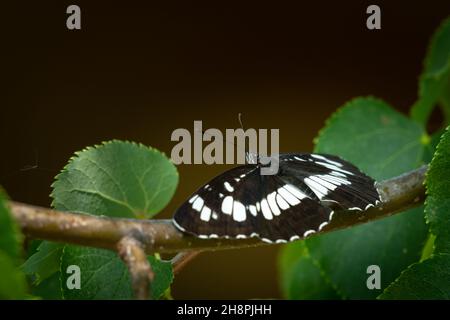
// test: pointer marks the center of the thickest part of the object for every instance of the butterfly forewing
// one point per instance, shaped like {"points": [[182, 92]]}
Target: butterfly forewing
{"points": [[221, 207]]}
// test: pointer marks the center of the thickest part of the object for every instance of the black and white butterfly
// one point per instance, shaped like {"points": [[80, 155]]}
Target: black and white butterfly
{"points": [[297, 201]]}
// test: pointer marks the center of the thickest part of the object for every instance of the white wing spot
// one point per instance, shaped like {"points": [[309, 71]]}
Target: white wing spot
{"points": [[253, 211], [308, 233], [266, 210], [178, 226], [289, 197], [295, 191], [273, 204], [214, 215], [333, 162], [198, 204], [228, 186], [331, 216], [239, 212], [333, 167], [205, 215], [282, 203], [317, 156], [318, 189], [323, 182], [338, 174], [335, 180], [191, 200], [322, 225], [227, 205], [293, 238], [299, 159]]}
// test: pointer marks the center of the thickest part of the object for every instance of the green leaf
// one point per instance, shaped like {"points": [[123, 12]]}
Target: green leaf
{"points": [[437, 204], [431, 145], [105, 276], [32, 247], [45, 262], [428, 248], [382, 143], [429, 279], [379, 140], [163, 276], [434, 83], [49, 288], [390, 243], [10, 236], [119, 179], [300, 276], [12, 280]]}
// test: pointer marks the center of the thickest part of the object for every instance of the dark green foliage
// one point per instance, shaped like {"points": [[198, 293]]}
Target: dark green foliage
{"points": [[12, 280], [119, 179], [358, 132]]}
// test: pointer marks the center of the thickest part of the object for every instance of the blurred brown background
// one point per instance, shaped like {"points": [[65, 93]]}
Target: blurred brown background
{"points": [[139, 69]]}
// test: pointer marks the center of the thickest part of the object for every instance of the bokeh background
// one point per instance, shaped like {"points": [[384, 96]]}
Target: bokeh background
{"points": [[140, 69]]}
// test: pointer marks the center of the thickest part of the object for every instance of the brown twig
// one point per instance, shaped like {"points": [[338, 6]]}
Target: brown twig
{"points": [[398, 194], [183, 258], [132, 253]]}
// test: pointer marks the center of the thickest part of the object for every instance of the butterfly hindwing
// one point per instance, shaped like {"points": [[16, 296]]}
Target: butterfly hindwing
{"points": [[331, 179], [286, 213]]}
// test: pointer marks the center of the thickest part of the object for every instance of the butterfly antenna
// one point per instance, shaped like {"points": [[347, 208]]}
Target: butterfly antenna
{"points": [[240, 120]]}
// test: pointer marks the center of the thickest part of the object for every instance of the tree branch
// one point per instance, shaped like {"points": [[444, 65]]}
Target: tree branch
{"points": [[183, 258], [132, 253], [398, 194]]}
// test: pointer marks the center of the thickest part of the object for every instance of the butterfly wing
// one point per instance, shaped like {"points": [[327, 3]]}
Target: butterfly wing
{"points": [[330, 180], [221, 207], [293, 204], [242, 203]]}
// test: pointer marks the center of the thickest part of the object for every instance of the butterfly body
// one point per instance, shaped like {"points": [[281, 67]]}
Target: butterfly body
{"points": [[297, 201]]}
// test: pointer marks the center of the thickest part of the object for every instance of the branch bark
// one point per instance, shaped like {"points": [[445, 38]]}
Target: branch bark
{"points": [[132, 253], [398, 194]]}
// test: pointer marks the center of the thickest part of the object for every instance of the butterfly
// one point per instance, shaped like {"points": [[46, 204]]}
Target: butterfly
{"points": [[294, 203]]}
